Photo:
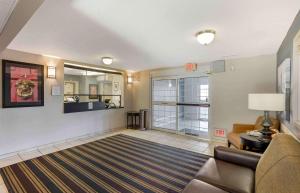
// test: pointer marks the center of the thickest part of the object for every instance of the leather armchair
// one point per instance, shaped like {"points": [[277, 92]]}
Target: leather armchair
{"points": [[243, 158], [234, 136], [230, 170], [197, 186], [238, 171]]}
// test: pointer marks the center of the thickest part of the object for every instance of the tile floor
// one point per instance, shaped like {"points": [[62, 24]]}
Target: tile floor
{"points": [[179, 141]]}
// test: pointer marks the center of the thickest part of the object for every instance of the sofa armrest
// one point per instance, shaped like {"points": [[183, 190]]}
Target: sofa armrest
{"points": [[198, 186], [242, 128], [235, 156]]}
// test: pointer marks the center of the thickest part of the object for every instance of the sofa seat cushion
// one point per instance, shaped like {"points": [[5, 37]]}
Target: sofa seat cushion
{"points": [[229, 177], [197, 186]]}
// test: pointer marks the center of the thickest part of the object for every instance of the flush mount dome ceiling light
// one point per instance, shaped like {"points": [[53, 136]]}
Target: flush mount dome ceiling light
{"points": [[107, 60], [205, 37]]}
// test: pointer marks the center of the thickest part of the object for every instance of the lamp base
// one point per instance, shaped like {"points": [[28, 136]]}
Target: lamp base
{"points": [[266, 132], [266, 124]]}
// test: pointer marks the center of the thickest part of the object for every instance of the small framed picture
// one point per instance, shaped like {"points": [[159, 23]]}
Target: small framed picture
{"points": [[116, 86], [284, 86], [93, 91], [69, 88], [23, 84]]}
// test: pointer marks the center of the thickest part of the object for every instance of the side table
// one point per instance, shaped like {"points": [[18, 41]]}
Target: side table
{"points": [[135, 116], [253, 143]]}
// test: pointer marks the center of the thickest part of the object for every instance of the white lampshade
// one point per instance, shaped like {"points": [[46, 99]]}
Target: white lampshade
{"points": [[266, 102]]}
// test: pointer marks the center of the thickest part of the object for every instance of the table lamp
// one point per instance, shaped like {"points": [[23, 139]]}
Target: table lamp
{"points": [[266, 102]]}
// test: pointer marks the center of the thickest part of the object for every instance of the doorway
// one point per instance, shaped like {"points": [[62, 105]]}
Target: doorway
{"points": [[181, 105]]}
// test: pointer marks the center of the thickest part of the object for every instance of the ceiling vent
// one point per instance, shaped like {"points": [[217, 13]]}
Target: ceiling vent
{"points": [[217, 66]]}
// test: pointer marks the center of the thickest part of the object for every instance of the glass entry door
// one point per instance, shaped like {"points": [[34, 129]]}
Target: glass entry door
{"points": [[193, 106], [164, 100], [181, 105]]}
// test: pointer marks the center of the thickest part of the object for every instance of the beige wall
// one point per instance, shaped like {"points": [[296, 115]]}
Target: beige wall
{"points": [[229, 90], [141, 90], [49, 124], [22, 128]]}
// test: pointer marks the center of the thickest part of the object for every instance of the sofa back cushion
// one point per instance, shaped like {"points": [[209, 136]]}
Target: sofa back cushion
{"points": [[278, 170]]}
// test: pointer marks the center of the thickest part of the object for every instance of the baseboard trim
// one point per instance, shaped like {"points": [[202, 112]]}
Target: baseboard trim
{"points": [[14, 153]]}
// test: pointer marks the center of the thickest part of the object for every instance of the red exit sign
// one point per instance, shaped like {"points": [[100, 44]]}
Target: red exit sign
{"points": [[219, 132], [190, 67]]}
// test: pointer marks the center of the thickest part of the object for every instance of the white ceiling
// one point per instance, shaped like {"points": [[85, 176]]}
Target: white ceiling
{"points": [[147, 34], [6, 8]]}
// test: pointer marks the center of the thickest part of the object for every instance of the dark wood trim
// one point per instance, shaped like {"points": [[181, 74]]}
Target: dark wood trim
{"points": [[193, 104], [89, 94], [83, 106], [89, 69]]}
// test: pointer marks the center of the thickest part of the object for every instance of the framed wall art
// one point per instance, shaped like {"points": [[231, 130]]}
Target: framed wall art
{"points": [[23, 84], [93, 91], [69, 88], [284, 86]]}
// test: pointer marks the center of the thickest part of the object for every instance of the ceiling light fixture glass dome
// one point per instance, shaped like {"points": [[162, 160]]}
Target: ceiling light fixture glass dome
{"points": [[205, 37], [107, 60]]}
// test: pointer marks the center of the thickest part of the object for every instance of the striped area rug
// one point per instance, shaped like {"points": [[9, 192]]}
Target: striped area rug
{"points": [[119, 163]]}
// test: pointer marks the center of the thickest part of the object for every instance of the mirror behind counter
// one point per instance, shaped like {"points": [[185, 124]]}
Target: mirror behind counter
{"points": [[88, 90]]}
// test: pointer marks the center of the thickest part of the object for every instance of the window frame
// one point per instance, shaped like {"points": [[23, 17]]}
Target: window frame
{"points": [[295, 82]]}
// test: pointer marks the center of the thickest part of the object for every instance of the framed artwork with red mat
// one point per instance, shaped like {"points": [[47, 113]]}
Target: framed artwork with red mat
{"points": [[23, 84]]}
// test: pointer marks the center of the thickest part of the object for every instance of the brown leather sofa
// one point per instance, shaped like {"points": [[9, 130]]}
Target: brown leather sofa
{"points": [[234, 136], [238, 171]]}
